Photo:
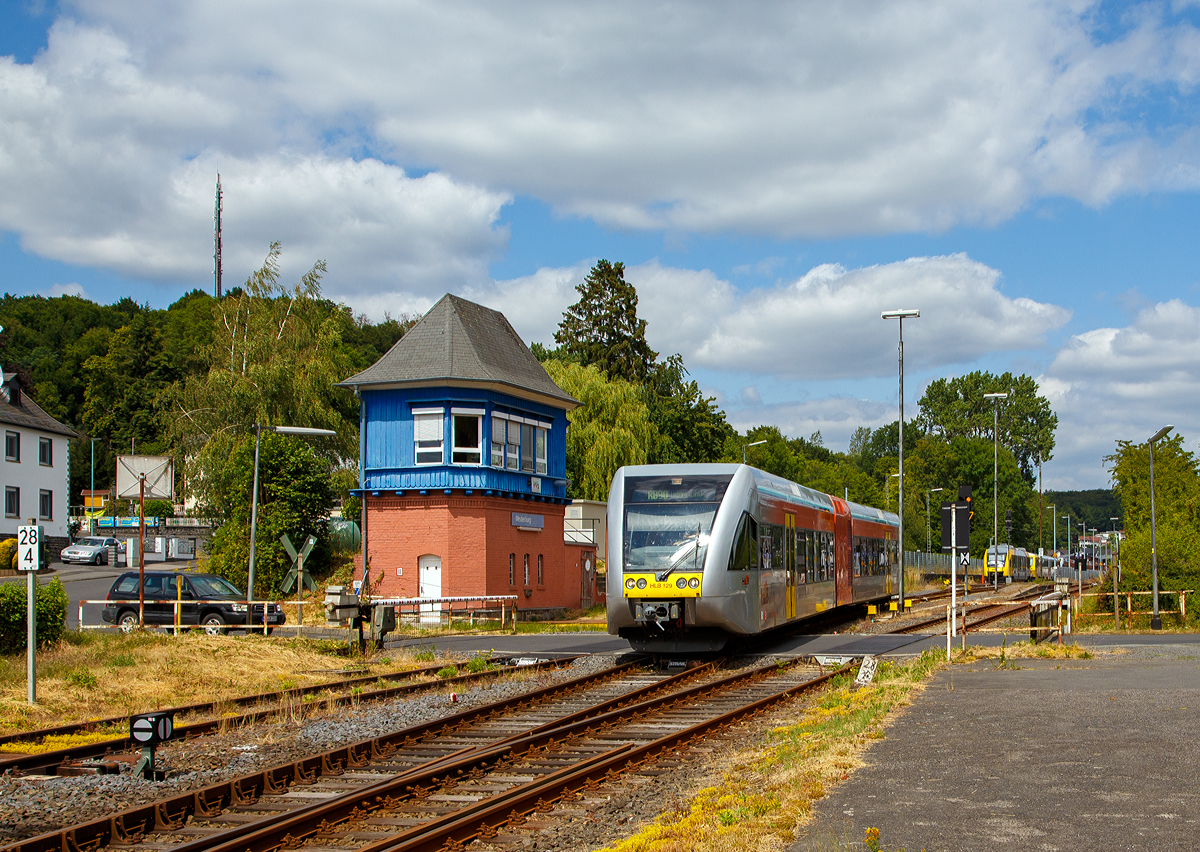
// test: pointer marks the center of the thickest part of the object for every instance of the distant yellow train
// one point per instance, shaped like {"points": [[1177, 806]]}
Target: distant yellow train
{"points": [[1015, 563]]}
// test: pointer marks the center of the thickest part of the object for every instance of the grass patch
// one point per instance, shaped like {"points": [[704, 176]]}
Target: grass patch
{"points": [[98, 675], [768, 793], [1022, 650]]}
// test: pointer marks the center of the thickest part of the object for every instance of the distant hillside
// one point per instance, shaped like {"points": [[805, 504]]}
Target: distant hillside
{"points": [[1094, 507]]}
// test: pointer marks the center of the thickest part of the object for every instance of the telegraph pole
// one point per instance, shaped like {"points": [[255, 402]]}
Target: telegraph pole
{"points": [[217, 242]]}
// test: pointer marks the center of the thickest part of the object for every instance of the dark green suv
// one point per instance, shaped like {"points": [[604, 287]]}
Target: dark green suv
{"points": [[203, 600]]}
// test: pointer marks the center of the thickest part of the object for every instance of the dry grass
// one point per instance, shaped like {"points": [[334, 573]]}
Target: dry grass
{"points": [[1022, 650], [94, 676], [767, 793]]}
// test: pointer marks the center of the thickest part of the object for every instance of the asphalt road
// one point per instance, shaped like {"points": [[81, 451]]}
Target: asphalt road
{"points": [[1056, 755]]}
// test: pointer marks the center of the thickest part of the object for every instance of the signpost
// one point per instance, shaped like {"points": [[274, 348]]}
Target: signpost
{"points": [[142, 477], [29, 542], [956, 538], [298, 574]]}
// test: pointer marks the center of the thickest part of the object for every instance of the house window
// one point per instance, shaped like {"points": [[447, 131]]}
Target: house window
{"points": [[527, 448], [468, 436], [540, 583], [12, 446], [45, 451], [526, 569], [12, 502], [539, 449], [512, 451], [498, 439], [46, 505], [427, 435], [512, 569]]}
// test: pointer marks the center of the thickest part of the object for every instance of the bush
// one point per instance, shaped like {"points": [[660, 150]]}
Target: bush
{"points": [[8, 549], [51, 608]]}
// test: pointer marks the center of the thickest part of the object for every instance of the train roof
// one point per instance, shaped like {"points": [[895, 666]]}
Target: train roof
{"points": [[771, 484]]}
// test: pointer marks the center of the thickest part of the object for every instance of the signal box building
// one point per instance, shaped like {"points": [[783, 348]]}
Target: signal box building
{"points": [[463, 466]]}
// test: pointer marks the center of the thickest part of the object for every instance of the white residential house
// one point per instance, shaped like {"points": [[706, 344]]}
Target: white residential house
{"points": [[35, 470]]}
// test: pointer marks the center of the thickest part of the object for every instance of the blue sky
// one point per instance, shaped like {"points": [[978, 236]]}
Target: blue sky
{"points": [[773, 178]]}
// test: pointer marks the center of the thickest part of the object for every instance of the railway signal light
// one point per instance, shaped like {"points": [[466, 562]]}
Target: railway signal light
{"points": [[964, 496], [148, 730]]}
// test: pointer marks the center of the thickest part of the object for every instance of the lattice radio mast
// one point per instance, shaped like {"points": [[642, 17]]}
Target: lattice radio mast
{"points": [[217, 240]]}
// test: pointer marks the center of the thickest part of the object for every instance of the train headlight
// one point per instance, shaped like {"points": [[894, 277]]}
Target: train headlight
{"points": [[641, 583], [630, 583], [694, 582], [681, 583]]}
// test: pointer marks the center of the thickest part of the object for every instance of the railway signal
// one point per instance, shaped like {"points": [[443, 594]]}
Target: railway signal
{"points": [[148, 730]]}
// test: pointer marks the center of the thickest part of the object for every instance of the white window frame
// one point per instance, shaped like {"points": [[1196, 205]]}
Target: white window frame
{"points": [[16, 492], [542, 437], [16, 439], [478, 449], [46, 499], [428, 416], [46, 444], [512, 446], [527, 570]]}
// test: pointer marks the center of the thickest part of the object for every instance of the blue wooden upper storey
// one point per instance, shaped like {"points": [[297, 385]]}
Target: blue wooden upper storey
{"points": [[421, 438]]}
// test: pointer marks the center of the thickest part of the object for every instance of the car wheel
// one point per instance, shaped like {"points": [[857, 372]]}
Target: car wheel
{"points": [[213, 624], [127, 621], [96, 559]]}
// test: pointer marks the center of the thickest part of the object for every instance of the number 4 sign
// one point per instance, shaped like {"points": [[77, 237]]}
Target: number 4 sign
{"points": [[27, 548]]}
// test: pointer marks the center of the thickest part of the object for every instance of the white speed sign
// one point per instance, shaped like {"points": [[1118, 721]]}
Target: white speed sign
{"points": [[28, 539]]}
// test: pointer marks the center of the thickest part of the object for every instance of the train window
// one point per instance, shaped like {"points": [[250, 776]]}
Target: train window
{"points": [[802, 555], [776, 538], [667, 536], [857, 556], [744, 556], [810, 547]]}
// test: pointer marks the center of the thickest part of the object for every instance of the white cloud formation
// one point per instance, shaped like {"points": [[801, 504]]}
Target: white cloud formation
{"points": [[72, 289], [824, 326], [106, 164], [835, 417], [779, 118], [1111, 384]]}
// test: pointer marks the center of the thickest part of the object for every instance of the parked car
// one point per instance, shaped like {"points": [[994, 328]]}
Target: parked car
{"points": [[204, 600], [90, 551]]}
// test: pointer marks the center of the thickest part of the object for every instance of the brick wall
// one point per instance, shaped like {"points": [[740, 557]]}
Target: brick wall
{"points": [[474, 538]]}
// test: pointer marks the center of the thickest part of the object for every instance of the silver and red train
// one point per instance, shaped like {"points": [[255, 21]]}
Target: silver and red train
{"points": [[701, 553]]}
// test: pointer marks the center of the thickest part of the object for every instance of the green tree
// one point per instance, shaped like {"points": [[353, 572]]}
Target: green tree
{"points": [[956, 407], [275, 356], [295, 497], [603, 328], [690, 427], [610, 429]]}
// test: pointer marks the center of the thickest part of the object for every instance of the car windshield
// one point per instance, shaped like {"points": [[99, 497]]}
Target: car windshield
{"points": [[667, 536], [91, 542], [213, 586]]}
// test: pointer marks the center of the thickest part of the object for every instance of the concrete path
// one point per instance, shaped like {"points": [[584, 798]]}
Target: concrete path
{"points": [[1078, 754]]}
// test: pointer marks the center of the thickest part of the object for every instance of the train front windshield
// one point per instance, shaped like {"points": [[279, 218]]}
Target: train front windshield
{"points": [[668, 520]]}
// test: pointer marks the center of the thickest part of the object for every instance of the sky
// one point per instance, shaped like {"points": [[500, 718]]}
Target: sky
{"points": [[772, 175]]}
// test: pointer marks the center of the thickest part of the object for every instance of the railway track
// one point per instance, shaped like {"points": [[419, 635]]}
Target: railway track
{"points": [[444, 783], [979, 617], [267, 705]]}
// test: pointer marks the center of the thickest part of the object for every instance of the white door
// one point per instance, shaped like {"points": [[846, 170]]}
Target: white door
{"points": [[430, 586]]}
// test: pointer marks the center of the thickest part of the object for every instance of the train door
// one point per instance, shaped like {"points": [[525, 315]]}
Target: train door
{"points": [[841, 552], [789, 562]]}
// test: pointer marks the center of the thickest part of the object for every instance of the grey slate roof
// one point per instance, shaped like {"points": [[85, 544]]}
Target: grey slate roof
{"points": [[460, 342], [28, 413]]}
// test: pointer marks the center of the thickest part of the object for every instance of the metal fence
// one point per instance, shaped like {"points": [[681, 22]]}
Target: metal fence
{"points": [[936, 563]]}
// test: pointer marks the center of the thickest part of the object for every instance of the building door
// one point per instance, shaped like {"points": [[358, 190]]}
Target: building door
{"points": [[587, 579], [429, 573]]}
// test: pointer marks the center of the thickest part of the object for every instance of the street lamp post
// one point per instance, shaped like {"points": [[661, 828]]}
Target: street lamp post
{"points": [[887, 491], [258, 430], [929, 492], [1067, 528], [995, 398], [1156, 619], [754, 444], [1054, 523], [900, 315], [1116, 551]]}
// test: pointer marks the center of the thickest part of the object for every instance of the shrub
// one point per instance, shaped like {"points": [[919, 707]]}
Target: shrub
{"points": [[8, 549], [51, 609], [448, 671]]}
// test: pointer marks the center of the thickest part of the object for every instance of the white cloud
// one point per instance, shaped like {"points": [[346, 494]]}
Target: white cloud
{"points": [[834, 417], [72, 289], [781, 119], [827, 324], [1112, 384], [107, 163]]}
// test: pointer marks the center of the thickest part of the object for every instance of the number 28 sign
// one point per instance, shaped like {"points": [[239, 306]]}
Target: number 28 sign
{"points": [[27, 548]]}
